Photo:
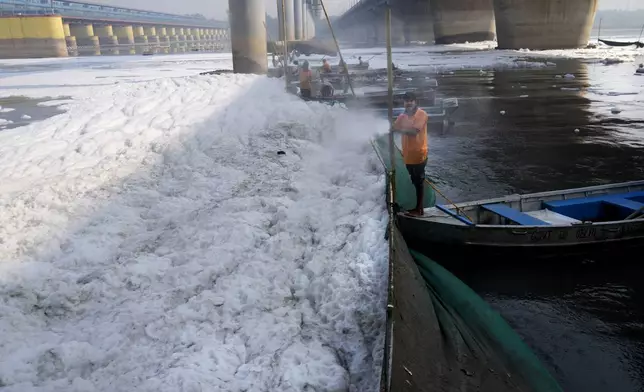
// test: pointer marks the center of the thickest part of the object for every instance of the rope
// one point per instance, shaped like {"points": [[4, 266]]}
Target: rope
{"points": [[337, 46], [382, 161]]}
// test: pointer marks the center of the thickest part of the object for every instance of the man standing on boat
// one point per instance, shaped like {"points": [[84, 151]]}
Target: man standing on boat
{"points": [[306, 78], [412, 124], [326, 67]]}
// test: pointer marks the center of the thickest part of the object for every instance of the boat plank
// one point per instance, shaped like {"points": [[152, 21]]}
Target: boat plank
{"points": [[514, 215], [454, 215], [630, 205]]}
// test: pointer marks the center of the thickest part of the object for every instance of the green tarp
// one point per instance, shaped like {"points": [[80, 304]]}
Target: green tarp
{"points": [[405, 190]]}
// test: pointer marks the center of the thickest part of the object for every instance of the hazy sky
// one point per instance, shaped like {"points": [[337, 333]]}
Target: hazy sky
{"points": [[217, 8]]}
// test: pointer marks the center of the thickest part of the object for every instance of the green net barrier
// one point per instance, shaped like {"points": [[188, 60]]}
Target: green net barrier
{"points": [[446, 338], [461, 312], [405, 190]]}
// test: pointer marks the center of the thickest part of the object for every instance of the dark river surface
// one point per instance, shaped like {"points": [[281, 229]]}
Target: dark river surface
{"points": [[583, 318]]}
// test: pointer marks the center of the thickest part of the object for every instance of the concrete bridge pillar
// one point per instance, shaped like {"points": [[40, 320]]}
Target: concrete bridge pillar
{"points": [[205, 37], [248, 34], [544, 24], [106, 38], [360, 35], [172, 39], [418, 23], [32, 37], [85, 38], [290, 20], [181, 39], [196, 36], [310, 24], [457, 21], [297, 18], [70, 41], [305, 19], [221, 38], [209, 42], [125, 36], [190, 39], [419, 29], [164, 39], [153, 38], [397, 30], [377, 34], [215, 39], [140, 39]]}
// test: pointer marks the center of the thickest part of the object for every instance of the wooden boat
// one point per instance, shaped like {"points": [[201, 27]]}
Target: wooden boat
{"points": [[618, 43], [569, 221], [363, 66]]}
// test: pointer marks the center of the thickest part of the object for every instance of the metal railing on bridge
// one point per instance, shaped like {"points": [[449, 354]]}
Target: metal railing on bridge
{"points": [[204, 45]]}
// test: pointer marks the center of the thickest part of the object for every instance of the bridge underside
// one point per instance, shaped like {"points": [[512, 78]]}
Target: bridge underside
{"points": [[529, 24], [441, 21]]}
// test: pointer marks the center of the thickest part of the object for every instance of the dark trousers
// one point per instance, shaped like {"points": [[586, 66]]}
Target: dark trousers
{"points": [[417, 173]]}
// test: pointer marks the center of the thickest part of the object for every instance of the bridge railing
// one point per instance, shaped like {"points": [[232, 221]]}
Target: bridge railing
{"points": [[219, 45]]}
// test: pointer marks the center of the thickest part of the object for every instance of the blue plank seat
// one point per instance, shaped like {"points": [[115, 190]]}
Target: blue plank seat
{"points": [[589, 208], [514, 215], [627, 204]]}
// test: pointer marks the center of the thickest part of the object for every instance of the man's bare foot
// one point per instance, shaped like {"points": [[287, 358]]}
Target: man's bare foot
{"points": [[415, 212]]}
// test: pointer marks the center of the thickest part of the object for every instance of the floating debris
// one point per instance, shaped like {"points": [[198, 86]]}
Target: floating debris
{"points": [[502, 112], [611, 61]]}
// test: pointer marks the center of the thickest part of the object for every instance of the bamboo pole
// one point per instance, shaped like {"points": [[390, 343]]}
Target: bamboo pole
{"points": [[337, 47], [283, 27], [389, 331], [390, 92]]}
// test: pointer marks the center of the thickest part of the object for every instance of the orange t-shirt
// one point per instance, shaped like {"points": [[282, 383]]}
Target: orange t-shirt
{"points": [[326, 67], [414, 148], [305, 79]]}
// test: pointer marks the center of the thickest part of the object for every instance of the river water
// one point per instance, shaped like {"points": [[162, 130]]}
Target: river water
{"points": [[583, 318]]}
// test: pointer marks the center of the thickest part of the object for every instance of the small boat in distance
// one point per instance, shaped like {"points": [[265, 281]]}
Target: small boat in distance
{"points": [[618, 43], [538, 224]]}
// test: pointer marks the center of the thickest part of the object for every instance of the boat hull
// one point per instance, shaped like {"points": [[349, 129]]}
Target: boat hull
{"points": [[534, 241]]}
